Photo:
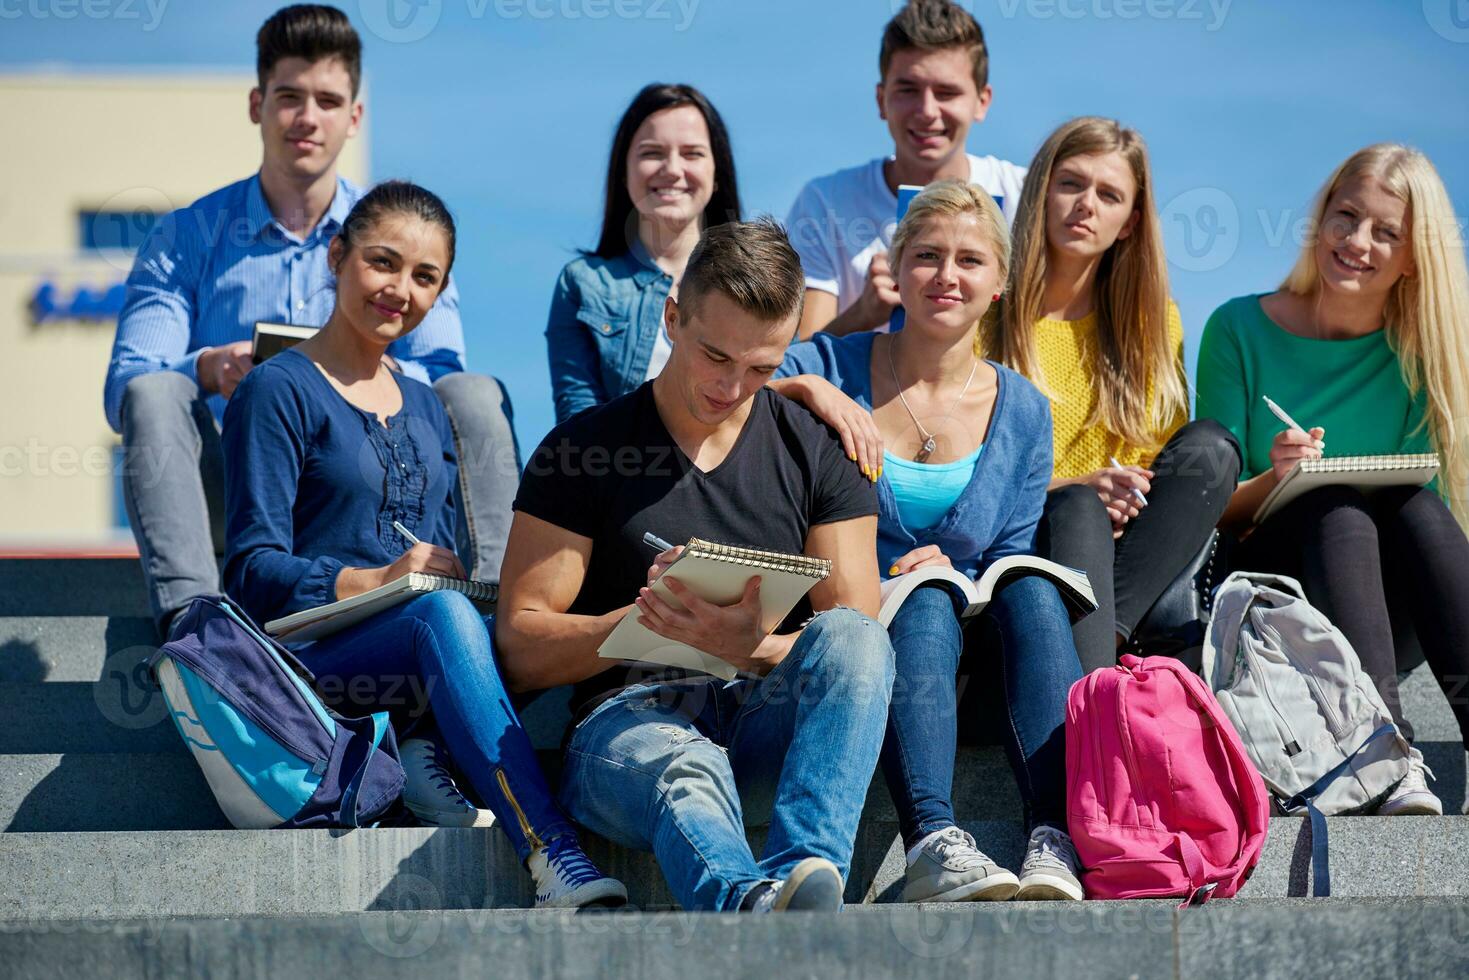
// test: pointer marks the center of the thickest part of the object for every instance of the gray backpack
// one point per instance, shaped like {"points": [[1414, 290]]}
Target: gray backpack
{"points": [[1310, 719]]}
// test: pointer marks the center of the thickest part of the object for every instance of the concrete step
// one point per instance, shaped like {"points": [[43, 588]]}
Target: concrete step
{"points": [[68, 648], [72, 587], [1244, 939], [149, 874], [162, 788], [77, 792]]}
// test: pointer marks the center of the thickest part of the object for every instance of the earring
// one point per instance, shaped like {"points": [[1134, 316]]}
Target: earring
{"points": [[995, 298]]}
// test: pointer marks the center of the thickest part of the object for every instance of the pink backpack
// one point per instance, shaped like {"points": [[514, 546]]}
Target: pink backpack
{"points": [[1161, 798]]}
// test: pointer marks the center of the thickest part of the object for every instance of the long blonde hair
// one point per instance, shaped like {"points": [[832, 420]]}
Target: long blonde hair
{"points": [[1427, 314], [1134, 353]]}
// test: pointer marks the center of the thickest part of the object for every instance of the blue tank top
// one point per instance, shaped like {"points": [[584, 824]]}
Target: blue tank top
{"points": [[926, 491]]}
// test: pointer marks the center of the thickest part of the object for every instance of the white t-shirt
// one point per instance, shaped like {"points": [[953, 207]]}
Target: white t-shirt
{"points": [[662, 348], [841, 220]]}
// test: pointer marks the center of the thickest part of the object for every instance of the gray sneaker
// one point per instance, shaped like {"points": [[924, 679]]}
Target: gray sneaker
{"points": [[950, 867], [1051, 872], [814, 885]]}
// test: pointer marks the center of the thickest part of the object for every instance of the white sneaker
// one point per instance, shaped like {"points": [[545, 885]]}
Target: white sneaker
{"points": [[947, 866], [429, 791], [1412, 795], [1051, 871], [567, 879]]}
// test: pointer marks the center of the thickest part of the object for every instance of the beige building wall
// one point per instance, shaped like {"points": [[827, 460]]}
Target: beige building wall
{"points": [[82, 143]]}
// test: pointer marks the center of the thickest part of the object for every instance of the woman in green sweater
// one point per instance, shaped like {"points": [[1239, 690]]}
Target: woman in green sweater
{"points": [[1366, 342]]}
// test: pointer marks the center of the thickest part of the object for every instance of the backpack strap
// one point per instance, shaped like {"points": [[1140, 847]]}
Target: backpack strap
{"points": [[1320, 861], [377, 725]]}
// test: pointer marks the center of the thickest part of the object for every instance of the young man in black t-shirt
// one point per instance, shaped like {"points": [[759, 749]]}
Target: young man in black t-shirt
{"points": [[667, 761]]}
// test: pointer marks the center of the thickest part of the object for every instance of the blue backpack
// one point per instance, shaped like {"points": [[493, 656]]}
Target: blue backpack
{"points": [[273, 754]]}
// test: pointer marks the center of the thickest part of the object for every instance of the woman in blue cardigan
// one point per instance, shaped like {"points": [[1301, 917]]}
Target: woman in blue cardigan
{"points": [[961, 482], [328, 453]]}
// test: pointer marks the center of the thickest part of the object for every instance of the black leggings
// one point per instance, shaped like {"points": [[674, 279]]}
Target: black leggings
{"points": [[1196, 473], [1364, 562]]}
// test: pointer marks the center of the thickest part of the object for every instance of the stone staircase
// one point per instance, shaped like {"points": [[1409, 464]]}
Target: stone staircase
{"points": [[114, 860]]}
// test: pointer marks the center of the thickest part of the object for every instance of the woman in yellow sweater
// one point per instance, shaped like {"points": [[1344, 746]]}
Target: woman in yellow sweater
{"points": [[1136, 489]]}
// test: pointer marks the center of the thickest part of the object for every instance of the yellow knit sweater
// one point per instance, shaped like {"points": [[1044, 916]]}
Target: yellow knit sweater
{"points": [[1067, 350]]}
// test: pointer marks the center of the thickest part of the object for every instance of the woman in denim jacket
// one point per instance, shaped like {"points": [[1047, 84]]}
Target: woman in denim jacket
{"points": [[671, 175]]}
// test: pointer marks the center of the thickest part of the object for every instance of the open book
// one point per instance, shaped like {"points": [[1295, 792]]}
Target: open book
{"points": [[1074, 586], [717, 573], [312, 624], [272, 338], [1362, 472]]}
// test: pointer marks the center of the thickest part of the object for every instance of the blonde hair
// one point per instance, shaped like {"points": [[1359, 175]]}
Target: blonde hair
{"points": [[1134, 354], [1427, 314], [954, 198]]}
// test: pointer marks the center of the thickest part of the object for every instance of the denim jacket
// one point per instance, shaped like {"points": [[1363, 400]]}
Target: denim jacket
{"points": [[998, 512], [605, 317]]}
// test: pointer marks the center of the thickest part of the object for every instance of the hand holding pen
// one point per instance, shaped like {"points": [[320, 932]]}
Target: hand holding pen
{"points": [[423, 557], [667, 555], [1292, 444]]}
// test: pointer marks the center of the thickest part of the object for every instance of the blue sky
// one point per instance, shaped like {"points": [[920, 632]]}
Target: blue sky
{"points": [[506, 108]]}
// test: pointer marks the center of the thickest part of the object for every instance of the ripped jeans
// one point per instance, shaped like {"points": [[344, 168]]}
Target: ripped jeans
{"points": [[678, 768]]}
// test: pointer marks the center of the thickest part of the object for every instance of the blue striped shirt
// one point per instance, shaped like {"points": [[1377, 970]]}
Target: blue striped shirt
{"points": [[209, 272]]}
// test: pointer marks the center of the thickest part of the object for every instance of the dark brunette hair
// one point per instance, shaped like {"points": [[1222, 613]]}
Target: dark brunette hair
{"points": [[397, 197], [618, 226], [931, 25], [310, 31], [751, 262]]}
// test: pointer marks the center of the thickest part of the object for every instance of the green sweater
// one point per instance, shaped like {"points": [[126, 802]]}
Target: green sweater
{"points": [[1351, 388]]}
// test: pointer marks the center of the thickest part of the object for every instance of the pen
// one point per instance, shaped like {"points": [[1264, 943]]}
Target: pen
{"points": [[653, 541], [1135, 491], [1280, 414], [406, 533]]}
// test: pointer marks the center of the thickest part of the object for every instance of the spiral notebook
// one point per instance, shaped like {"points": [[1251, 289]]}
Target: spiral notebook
{"points": [[718, 573], [312, 624], [1362, 472]]}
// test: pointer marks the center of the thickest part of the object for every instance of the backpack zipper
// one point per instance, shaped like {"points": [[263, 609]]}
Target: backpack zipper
{"points": [[1122, 733], [1312, 681], [1280, 717], [525, 827]]}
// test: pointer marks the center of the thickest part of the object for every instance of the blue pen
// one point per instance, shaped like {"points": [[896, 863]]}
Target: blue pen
{"points": [[653, 541]]}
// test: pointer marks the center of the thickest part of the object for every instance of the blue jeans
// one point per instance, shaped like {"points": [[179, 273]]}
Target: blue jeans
{"points": [[434, 653], [1018, 657], [677, 768]]}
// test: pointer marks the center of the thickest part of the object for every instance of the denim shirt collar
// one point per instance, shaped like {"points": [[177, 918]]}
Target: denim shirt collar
{"points": [[259, 219], [647, 270]]}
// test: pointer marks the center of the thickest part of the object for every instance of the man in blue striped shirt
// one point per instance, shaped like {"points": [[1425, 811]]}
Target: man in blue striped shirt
{"points": [[257, 251]]}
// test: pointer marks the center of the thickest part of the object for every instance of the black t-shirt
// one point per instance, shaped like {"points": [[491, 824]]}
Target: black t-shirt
{"points": [[613, 472]]}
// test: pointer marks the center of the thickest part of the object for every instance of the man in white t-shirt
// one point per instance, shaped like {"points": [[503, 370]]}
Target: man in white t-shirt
{"points": [[934, 85]]}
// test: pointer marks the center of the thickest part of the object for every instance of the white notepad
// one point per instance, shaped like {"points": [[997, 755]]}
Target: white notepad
{"points": [[312, 624], [1362, 472], [717, 573]]}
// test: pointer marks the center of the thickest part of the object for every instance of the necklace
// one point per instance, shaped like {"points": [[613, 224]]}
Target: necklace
{"points": [[929, 443]]}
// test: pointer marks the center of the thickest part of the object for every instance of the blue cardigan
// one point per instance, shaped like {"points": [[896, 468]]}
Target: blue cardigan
{"points": [[313, 484], [998, 511]]}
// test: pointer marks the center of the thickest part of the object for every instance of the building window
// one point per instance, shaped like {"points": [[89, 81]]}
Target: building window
{"points": [[114, 230]]}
